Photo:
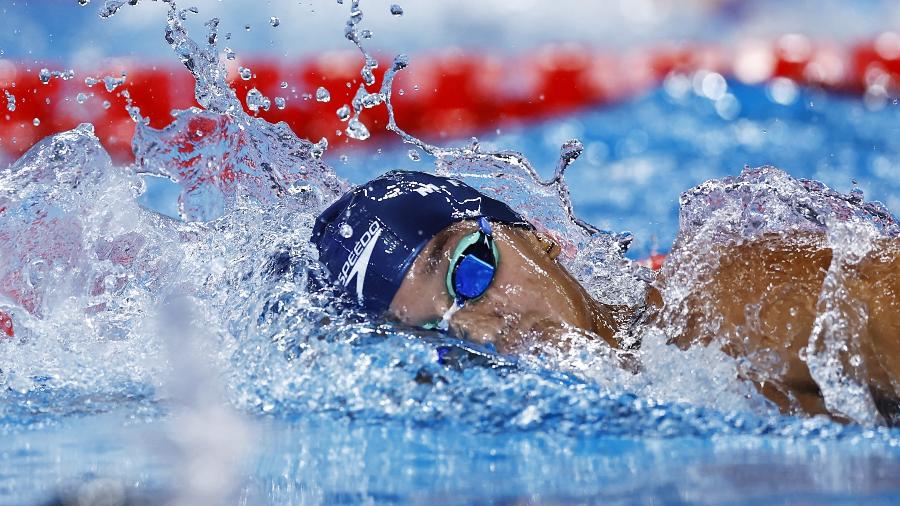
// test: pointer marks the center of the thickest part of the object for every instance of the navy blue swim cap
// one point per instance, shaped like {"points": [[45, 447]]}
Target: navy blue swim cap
{"points": [[369, 238]]}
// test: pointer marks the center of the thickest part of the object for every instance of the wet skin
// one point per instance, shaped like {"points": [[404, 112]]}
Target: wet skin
{"points": [[776, 280], [760, 302], [531, 297]]}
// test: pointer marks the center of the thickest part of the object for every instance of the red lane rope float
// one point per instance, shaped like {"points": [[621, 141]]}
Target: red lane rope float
{"points": [[654, 261], [446, 94], [6, 325]]}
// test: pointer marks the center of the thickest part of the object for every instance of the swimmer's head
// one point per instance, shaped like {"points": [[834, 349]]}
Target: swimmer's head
{"points": [[370, 237], [415, 245]]}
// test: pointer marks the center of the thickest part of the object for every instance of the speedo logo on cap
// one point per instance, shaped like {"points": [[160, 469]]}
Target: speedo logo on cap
{"points": [[358, 261]]}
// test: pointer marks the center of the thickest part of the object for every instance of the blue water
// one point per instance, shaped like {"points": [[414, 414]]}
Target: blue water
{"points": [[336, 461], [641, 155], [377, 420]]}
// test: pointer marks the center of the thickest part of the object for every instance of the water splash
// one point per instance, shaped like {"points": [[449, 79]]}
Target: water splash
{"points": [[763, 203], [46, 74], [111, 7], [211, 87], [248, 193]]}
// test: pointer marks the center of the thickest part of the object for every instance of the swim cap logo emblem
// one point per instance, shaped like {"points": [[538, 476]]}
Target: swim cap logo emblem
{"points": [[358, 261]]}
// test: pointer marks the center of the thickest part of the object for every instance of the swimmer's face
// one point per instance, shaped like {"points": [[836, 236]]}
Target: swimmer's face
{"points": [[531, 296]]}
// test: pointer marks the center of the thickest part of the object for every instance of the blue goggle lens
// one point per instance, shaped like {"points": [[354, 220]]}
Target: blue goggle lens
{"points": [[474, 264], [473, 276]]}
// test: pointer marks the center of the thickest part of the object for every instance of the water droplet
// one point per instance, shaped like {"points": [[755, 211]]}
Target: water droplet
{"points": [[284, 85], [229, 53], [319, 148], [414, 155], [274, 21], [280, 102], [357, 130], [36, 122], [343, 113], [371, 100], [322, 94], [346, 231], [83, 2], [857, 195], [366, 34], [256, 101], [106, 104], [81, 98], [245, 73], [44, 76], [90, 81], [343, 158], [367, 75], [396, 10], [247, 27], [111, 83]]}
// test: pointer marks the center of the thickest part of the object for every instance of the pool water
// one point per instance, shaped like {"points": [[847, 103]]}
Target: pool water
{"points": [[644, 153], [379, 420], [332, 460], [191, 361]]}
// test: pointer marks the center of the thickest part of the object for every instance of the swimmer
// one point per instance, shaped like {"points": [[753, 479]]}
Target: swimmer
{"points": [[433, 252]]}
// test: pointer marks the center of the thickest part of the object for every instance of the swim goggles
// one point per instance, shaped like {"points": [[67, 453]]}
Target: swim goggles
{"points": [[473, 264]]}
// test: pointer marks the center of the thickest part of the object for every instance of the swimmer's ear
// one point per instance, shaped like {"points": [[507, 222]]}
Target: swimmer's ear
{"points": [[548, 244]]}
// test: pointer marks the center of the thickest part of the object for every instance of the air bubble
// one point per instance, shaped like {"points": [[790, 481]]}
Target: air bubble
{"points": [[106, 104], [229, 53], [346, 231], [44, 76], [245, 73], [284, 85], [322, 95], [36, 122], [396, 10], [414, 155], [274, 21], [280, 102], [81, 98]]}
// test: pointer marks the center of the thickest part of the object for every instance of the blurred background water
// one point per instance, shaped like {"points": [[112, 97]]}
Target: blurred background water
{"points": [[353, 421]]}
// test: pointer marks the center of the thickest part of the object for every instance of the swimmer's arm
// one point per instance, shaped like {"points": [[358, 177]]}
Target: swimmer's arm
{"points": [[759, 300]]}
